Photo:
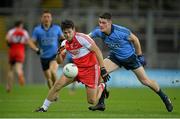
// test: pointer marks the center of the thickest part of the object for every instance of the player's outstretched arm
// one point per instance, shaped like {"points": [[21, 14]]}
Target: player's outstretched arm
{"points": [[134, 39], [61, 55], [33, 46], [137, 46], [99, 56]]}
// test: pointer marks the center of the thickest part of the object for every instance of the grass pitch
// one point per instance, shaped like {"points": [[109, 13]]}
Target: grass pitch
{"points": [[122, 103]]}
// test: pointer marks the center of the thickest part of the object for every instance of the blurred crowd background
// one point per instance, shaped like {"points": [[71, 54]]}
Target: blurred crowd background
{"points": [[155, 22]]}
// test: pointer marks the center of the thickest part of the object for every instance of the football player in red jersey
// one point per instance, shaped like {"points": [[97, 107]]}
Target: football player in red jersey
{"points": [[16, 38], [89, 60]]}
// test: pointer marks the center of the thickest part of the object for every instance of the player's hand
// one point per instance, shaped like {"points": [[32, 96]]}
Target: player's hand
{"points": [[60, 49], [105, 74], [38, 51], [8, 44], [142, 60]]}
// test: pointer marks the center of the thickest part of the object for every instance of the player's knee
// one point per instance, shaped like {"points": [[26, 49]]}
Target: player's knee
{"points": [[48, 77], [53, 72], [56, 87], [91, 101]]}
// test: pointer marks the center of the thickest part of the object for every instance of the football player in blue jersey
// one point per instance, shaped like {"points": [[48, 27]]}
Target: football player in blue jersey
{"points": [[125, 51], [47, 35]]}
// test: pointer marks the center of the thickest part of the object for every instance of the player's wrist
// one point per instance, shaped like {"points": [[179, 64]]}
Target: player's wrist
{"points": [[37, 51], [140, 55], [102, 67]]}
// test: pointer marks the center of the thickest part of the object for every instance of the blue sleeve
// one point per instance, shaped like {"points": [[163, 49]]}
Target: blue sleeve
{"points": [[127, 33], [35, 34], [95, 33]]}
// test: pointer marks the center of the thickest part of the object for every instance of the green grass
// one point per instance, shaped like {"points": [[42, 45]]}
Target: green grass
{"points": [[123, 102]]}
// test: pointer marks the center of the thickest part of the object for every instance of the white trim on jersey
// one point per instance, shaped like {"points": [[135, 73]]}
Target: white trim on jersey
{"points": [[86, 43], [96, 75], [63, 43], [26, 34], [10, 36]]}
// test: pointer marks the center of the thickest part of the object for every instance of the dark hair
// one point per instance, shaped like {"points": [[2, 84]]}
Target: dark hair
{"points": [[46, 11], [18, 23], [105, 15], [67, 24]]}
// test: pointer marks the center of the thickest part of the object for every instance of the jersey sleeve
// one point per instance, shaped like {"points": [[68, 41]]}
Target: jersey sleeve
{"points": [[35, 34], [26, 35], [95, 33], [63, 43], [9, 35], [127, 33], [85, 41]]}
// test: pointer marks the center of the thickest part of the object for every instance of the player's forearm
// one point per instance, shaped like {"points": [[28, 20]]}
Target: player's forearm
{"points": [[32, 45], [98, 53], [99, 57], [59, 59], [136, 44], [138, 48]]}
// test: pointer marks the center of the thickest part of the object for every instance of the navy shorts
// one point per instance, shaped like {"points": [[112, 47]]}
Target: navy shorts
{"points": [[130, 63], [46, 61]]}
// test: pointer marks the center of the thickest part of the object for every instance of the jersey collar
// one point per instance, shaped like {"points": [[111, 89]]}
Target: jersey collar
{"points": [[44, 27], [112, 30]]}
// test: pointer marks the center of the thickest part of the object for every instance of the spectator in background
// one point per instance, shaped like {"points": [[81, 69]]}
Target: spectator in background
{"points": [[16, 38]]}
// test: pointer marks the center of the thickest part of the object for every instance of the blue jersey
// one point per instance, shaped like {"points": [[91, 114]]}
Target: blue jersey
{"points": [[47, 39], [117, 41]]}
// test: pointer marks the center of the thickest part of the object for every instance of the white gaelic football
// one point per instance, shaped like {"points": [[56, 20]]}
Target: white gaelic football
{"points": [[70, 70]]}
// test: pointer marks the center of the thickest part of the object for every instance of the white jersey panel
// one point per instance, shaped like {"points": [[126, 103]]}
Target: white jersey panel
{"points": [[85, 45]]}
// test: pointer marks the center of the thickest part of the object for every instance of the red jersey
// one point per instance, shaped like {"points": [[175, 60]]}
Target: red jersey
{"points": [[78, 48], [86, 61], [17, 38]]}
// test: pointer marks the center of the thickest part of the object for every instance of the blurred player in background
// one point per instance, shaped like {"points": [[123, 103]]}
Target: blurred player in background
{"points": [[88, 58], [46, 36], [16, 38], [125, 51]]}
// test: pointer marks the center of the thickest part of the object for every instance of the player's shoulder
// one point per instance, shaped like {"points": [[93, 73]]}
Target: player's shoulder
{"points": [[11, 30], [38, 27], [120, 28], [56, 25], [82, 35], [97, 28], [17, 30], [63, 43], [96, 32], [24, 30]]}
